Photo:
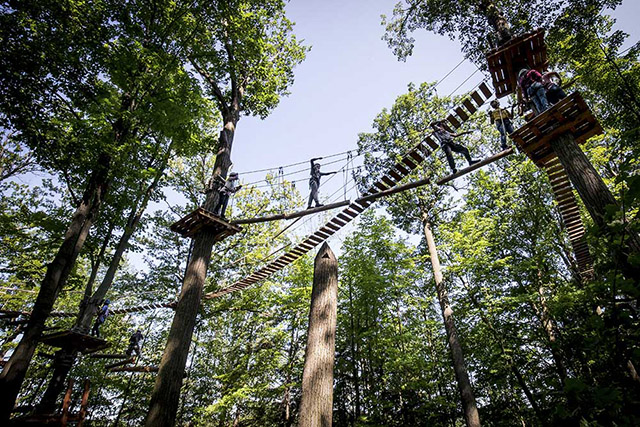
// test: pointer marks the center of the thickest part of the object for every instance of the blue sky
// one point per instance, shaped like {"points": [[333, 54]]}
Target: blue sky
{"points": [[349, 76]]}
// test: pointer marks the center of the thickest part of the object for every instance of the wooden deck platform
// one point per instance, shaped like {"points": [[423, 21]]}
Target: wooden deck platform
{"points": [[201, 219], [571, 114], [525, 51], [73, 339]]}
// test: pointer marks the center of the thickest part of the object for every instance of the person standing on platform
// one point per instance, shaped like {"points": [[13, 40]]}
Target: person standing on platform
{"points": [[314, 182], [230, 187], [448, 145], [501, 117], [551, 82], [103, 313], [530, 81], [134, 343]]}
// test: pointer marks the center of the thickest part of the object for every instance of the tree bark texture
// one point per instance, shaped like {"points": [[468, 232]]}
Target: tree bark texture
{"points": [[165, 397], [469, 407], [56, 275], [316, 406], [595, 194]]}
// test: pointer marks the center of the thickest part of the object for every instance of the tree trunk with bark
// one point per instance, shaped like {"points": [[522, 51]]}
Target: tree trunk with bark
{"points": [[469, 407], [66, 357], [165, 397], [316, 406], [56, 275], [596, 197]]}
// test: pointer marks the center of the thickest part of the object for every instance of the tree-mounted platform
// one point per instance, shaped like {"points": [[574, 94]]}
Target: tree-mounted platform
{"points": [[143, 369], [571, 114], [200, 220], [74, 340], [525, 51]]}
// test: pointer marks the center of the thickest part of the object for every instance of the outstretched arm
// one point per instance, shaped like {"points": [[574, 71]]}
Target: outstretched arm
{"points": [[328, 173], [313, 161], [462, 133]]}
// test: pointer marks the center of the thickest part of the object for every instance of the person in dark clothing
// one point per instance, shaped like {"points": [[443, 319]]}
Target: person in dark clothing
{"points": [[134, 343], [448, 145], [551, 82], [502, 119], [314, 182], [103, 313], [530, 81], [230, 187]]}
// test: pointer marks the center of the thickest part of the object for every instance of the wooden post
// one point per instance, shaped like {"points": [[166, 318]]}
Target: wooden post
{"points": [[316, 406], [83, 404], [66, 403], [464, 384]]}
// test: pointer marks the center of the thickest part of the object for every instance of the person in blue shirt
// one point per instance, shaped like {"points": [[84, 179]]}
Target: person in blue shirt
{"points": [[103, 313]]}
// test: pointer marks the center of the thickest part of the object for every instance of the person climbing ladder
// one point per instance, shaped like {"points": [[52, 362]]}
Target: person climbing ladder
{"points": [[314, 182], [448, 145]]}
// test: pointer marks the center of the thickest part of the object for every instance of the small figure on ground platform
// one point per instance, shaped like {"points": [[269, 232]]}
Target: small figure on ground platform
{"points": [[230, 187], [502, 119], [314, 182], [134, 343], [551, 82], [530, 81], [448, 145], [103, 313]]}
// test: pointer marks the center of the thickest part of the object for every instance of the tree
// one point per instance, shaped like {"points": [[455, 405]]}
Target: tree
{"points": [[250, 68]]}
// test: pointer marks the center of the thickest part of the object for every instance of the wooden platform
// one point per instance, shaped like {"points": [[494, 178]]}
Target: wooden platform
{"points": [[569, 115], [525, 51], [200, 220], [75, 340]]}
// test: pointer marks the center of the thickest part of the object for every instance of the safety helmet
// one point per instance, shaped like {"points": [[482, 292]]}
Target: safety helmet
{"points": [[233, 175], [107, 301], [495, 103], [523, 72]]}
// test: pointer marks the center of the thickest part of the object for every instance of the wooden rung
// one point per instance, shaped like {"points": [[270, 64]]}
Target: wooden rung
{"points": [[431, 144], [461, 113], [344, 217], [333, 226], [395, 176], [485, 90], [388, 181], [402, 169], [415, 155], [338, 221], [454, 122], [469, 106], [477, 98], [407, 161], [380, 185]]}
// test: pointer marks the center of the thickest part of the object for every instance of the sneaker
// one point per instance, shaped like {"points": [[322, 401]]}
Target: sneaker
{"points": [[454, 171], [473, 162]]}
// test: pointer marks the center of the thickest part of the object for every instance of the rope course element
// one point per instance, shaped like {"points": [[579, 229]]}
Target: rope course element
{"points": [[127, 310], [404, 167]]}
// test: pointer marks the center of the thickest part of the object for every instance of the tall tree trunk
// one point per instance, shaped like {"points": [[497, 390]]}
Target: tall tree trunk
{"points": [[464, 384], [596, 197], [316, 405], [165, 397], [57, 272], [66, 357], [354, 359]]}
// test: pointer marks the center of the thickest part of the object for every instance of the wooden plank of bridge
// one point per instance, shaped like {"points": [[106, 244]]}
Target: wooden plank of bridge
{"points": [[475, 166]]}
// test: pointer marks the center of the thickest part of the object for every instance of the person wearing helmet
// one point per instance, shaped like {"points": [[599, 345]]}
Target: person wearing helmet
{"points": [[501, 117], [134, 343], [230, 187], [530, 81], [448, 145], [552, 83], [103, 313], [314, 182]]}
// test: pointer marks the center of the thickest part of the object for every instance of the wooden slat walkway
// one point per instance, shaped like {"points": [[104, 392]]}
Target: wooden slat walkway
{"points": [[404, 167], [570, 213]]}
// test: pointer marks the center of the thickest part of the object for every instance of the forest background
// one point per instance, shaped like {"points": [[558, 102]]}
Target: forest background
{"points": [[538, 346]]}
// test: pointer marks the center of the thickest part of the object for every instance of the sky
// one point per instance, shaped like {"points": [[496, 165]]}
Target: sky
{"points": [[348, 77]]}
